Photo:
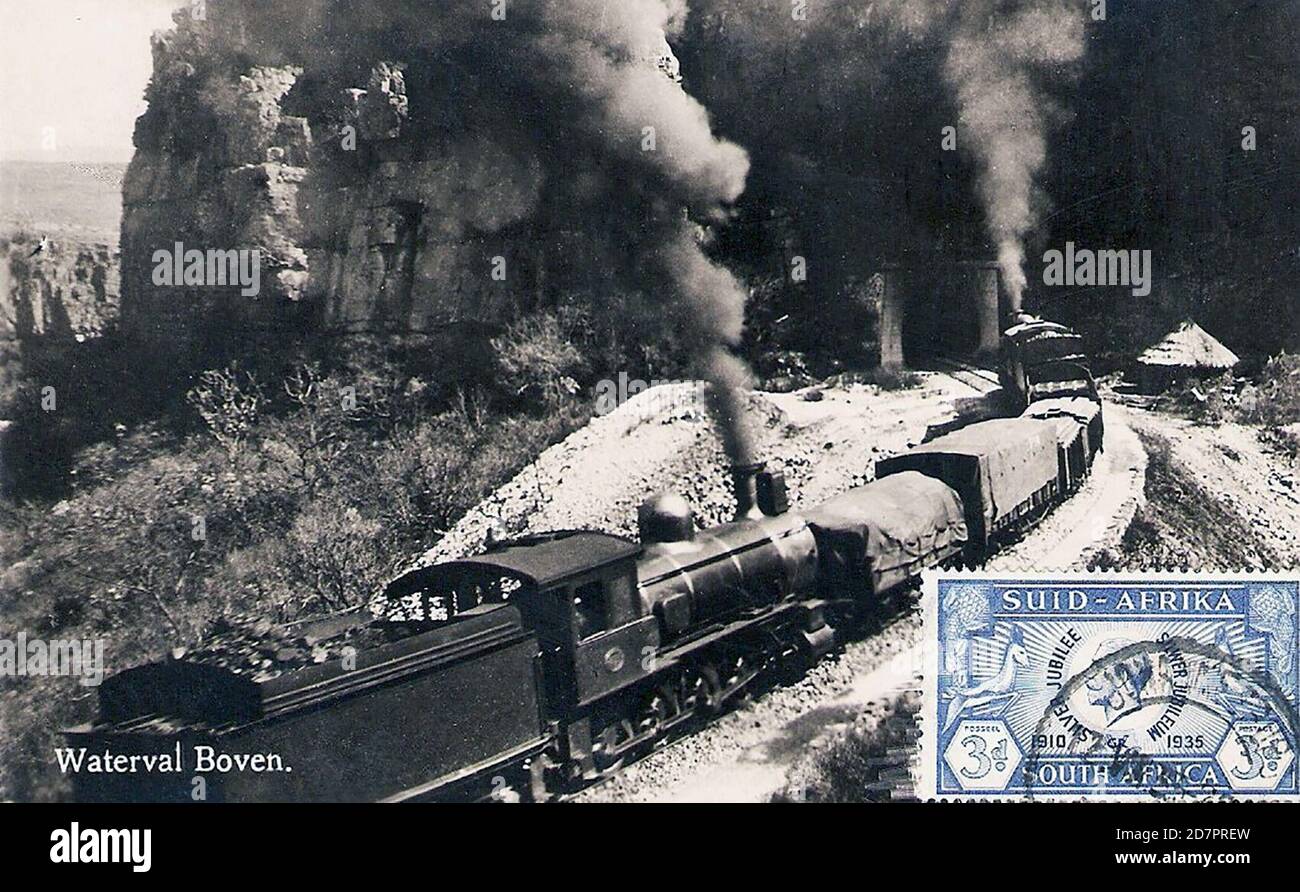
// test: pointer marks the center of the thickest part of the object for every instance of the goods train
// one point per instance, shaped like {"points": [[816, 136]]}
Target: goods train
{"points": [[549, 660]]}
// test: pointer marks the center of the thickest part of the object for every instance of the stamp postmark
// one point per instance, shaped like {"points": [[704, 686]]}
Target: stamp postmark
{"points": [[1099, 686]]}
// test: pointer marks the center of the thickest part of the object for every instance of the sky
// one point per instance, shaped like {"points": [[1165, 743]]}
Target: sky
{"points": [[78, 68]]}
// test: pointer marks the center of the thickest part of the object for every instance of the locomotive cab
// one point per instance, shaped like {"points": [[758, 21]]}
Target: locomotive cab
{"points": [[575, 589]]}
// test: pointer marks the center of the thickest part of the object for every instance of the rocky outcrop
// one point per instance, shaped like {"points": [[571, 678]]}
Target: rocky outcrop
{"points": [[218, 166], [393, 166], [67, 291], [360, 223]]}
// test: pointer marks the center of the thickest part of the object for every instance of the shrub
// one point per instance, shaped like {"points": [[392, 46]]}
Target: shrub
{"points": [[37, 447], [884, 377], [228, 401], [1273, 400], [538, 360], [894, 378], [869, 763], [329, 560], [1277, 396]]}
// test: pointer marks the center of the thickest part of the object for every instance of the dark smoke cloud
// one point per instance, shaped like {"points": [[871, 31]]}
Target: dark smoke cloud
{"points": [[560, 92]]}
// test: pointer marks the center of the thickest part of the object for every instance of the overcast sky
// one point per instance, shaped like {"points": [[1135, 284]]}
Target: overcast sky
{"points": [[79, 67]]}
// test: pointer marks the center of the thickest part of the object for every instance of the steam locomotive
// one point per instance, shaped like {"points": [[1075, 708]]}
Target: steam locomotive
{"points": [[549, 660], [1041, 359]]}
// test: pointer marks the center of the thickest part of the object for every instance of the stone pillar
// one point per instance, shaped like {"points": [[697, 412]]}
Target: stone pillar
{"points": [[987, 309], [891, 319]]}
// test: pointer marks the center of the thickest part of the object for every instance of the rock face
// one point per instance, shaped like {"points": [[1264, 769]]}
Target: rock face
{"points": [[218, 166], [361, 224], [66, 292]]}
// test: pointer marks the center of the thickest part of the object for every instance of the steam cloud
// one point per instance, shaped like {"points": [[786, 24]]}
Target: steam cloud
{"points": [[996, 50], [562, 91], [998, 55]]}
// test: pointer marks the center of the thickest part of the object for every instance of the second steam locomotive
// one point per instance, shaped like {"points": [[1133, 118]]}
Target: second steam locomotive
{"points": [[551, 659]]}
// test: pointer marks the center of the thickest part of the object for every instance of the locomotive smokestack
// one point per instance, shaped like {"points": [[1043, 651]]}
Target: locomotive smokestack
{"points": [[744, 478]]}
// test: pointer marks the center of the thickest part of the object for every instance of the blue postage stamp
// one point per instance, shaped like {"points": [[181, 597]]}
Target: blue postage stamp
{"points": [[1110, 686]]}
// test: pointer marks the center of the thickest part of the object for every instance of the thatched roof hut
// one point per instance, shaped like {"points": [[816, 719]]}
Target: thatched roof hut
{"points": [[1188, 351]]}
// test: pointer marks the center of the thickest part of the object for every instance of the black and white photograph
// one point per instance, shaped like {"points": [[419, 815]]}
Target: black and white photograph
{"points": [[829, 410]]}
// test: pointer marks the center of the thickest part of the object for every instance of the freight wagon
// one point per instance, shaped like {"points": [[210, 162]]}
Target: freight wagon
{"points": [[1005, 471]]}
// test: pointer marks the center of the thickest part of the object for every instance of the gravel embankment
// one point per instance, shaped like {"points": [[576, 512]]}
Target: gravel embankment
{"points": [[663, 439]]}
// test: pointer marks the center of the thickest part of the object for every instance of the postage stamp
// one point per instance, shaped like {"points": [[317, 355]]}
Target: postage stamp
{"points": [[1101, 686]]}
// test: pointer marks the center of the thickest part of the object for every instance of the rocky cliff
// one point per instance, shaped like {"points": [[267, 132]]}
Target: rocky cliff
{"points": [[403, 167], [375, 205], [67, 291], [53, 302]]}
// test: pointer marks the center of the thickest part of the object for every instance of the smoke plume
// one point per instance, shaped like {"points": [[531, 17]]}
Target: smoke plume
{"points": [[996, 52], [561, 102]]}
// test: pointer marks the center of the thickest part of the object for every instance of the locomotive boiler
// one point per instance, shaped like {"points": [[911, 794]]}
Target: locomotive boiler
{"points": [[1041, 360]]}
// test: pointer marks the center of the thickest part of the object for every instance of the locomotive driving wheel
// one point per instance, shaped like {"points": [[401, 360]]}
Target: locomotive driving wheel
{"points": [[709, 690], [695, 695], [659, 709], [741, 670], [610, 748]]}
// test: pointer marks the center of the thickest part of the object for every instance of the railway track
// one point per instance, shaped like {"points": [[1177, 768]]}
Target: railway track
{"points": [[972, 376], [662, 746]]}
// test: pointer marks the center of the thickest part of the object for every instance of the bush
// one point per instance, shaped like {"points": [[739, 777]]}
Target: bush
{"points": [[1283, 440], [1276, 399], [228, 402], [37, 448], [293, 497], [869, 763], [538, 361], [892, 378], [99, 388], [1272, 400], [884, 377], [1208, 401]]}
